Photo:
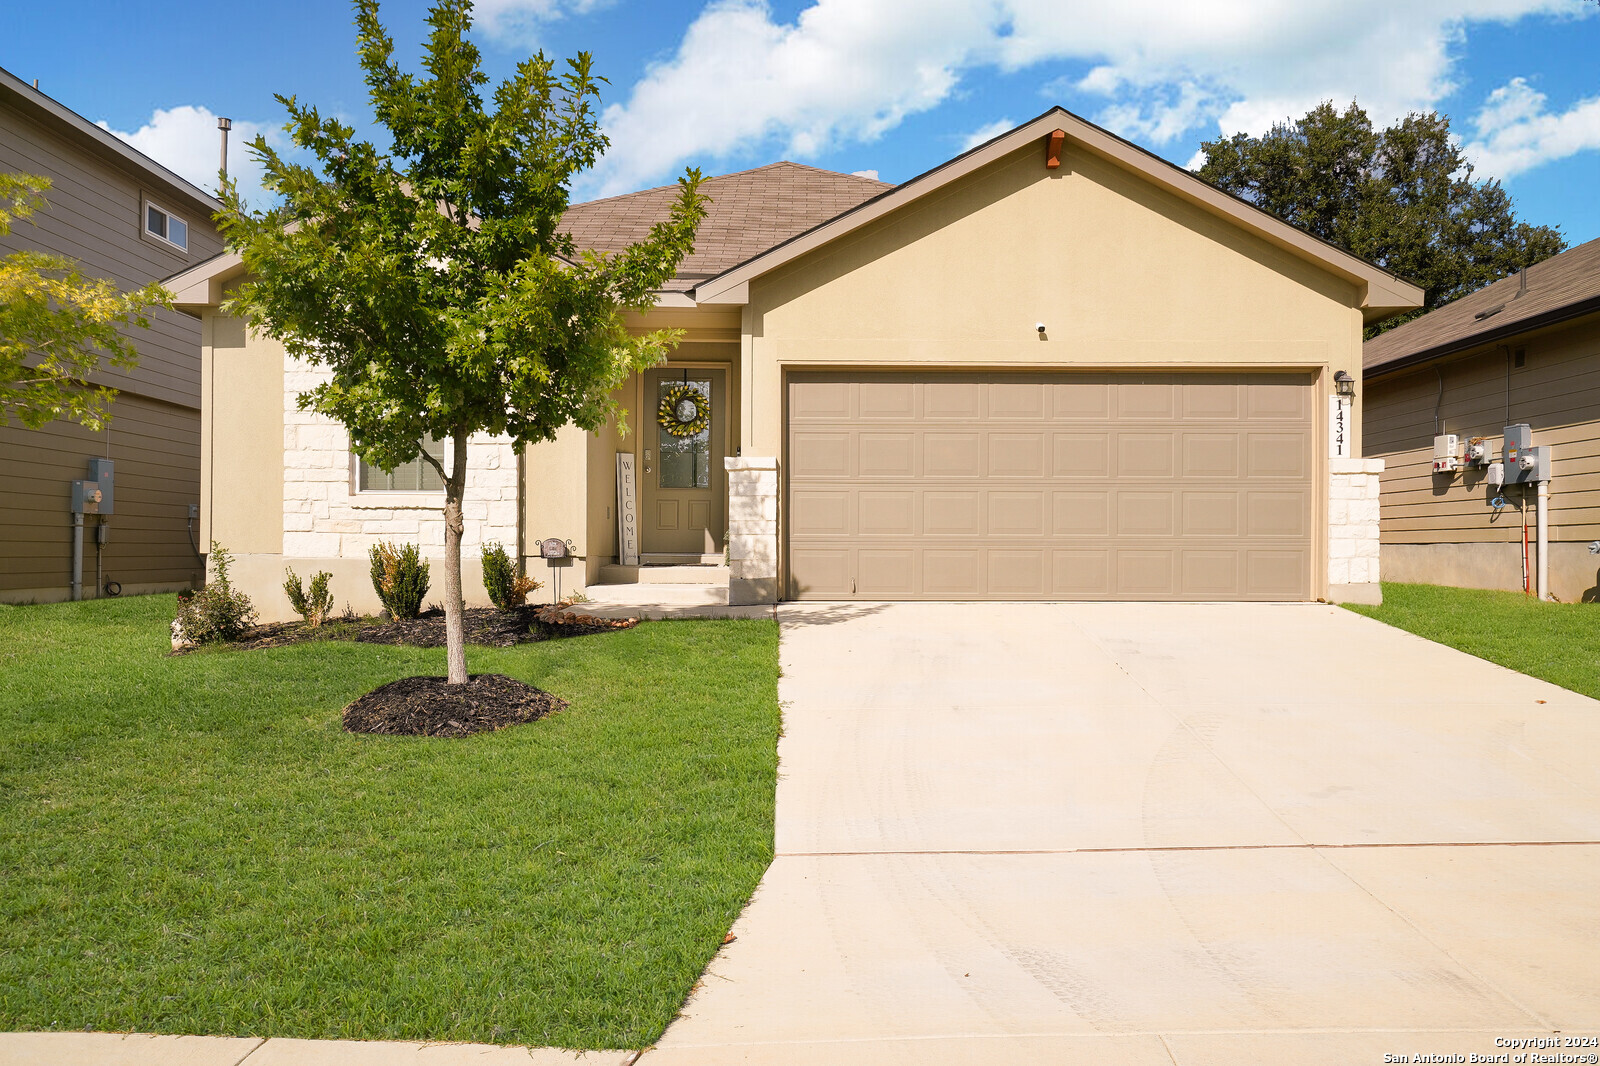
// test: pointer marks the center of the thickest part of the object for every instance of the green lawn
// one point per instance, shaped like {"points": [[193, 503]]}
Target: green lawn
{"points": [[1558, 642], [192, 844]]}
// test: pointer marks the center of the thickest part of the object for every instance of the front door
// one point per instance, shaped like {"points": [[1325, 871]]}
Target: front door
{"points": [[683, 434]]}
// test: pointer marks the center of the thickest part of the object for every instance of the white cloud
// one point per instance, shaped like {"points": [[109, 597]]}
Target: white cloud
{"points": [[986, 132], [1516, 132], [873, 174], [848, 70], [186, 141], [518, 21]]}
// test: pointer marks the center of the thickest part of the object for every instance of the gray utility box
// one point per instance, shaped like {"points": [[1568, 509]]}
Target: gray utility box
{"points": [[1523, 463], [95, 494]]}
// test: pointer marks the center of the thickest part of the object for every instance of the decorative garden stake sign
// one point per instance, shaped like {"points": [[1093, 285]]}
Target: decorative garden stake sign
{"points": [[627, 511]]}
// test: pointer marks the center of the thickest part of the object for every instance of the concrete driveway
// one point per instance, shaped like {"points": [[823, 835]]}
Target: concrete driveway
{"points": [[1159, 833]]}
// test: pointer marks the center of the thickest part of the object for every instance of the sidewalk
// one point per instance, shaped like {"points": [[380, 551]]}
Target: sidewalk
{"points": [[123, 1049]]}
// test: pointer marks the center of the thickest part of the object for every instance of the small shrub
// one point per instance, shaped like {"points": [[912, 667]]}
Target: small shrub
{"points": [[314, 605], [506, 587], [400, 578], [216, 612]]}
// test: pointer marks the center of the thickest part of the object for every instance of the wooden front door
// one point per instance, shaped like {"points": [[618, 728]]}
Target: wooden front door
{"points": [[683, 482]]}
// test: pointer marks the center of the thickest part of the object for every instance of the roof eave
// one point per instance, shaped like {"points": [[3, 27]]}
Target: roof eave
{"points": [[1553, 317]]}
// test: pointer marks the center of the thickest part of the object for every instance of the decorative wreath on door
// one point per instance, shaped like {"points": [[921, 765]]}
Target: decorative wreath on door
{"points": [[684, 412]]}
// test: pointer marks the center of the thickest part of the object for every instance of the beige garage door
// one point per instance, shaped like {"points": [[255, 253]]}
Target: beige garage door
{"points": [[1050, 487]]}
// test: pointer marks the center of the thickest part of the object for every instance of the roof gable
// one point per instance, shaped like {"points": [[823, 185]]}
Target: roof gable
{"points": [[1563, 286], [1382, 293]]}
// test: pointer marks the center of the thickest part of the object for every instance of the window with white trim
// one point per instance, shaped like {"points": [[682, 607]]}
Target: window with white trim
{"points": [[415, 476], [166, 227]]}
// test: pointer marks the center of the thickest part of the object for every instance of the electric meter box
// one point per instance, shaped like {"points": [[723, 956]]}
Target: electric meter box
{"points": [[101, 474], [94, 494], [1444, 453], [1523, 462]]}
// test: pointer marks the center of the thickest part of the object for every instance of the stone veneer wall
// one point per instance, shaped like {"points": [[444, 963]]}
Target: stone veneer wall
{"points": [[752, 529], [323, 518], [1353, 530]]}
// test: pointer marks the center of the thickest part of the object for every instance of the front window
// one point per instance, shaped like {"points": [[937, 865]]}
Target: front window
{"points": [[415, 476]]}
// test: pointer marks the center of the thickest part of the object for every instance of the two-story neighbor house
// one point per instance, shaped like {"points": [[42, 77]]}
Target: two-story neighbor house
{"points": [[122, 216]]}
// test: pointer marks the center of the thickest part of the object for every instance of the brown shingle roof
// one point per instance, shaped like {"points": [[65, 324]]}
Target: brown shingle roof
{"points": [[750, 211], [1561, 287]]}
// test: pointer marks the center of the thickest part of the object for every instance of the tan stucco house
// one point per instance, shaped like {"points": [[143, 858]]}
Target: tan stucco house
{"points": [[1054, 368], [1525, 349]]}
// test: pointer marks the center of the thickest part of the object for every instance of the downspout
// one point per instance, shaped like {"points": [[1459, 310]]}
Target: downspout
{"points": [[1542, 514]]}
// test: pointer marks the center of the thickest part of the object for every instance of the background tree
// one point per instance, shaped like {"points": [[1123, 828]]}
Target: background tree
{"points": [[57, 326], [431, 279], [1402, 198]]}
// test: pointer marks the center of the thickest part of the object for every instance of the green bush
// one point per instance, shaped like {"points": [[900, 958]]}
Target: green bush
{"points": [[216, 612], [400, 577], [314, 605], [506, 587]]}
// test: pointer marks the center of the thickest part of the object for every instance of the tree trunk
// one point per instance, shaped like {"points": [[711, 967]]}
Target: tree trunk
{"points": [[455, 633]]}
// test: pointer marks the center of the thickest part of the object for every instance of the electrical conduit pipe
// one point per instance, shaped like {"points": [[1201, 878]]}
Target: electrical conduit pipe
{"points": [[1542, 514]]}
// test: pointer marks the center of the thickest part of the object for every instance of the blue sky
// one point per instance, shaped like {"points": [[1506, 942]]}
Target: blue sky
{"points": [[892, 86]]}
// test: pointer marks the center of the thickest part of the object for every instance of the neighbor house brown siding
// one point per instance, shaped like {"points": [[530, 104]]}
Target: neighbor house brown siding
{"points": [[93, 216], [1556, 391]]}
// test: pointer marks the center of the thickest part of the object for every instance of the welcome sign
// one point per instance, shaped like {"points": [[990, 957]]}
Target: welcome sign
{"points": [[627, 511]]}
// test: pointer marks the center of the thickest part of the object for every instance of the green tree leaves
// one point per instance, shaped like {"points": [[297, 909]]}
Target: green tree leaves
{"points": [[1402, 198], [57, 326]]}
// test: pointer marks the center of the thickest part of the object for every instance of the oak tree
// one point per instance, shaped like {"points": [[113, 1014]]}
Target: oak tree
{"points": [[1403, 198]]}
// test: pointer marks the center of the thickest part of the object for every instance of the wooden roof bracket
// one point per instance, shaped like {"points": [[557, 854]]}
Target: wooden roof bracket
{"points": [[1052, 152]]}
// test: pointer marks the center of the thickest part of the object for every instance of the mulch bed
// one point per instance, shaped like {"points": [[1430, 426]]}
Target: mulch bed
{"points": [[432, 707], [486, 626]]}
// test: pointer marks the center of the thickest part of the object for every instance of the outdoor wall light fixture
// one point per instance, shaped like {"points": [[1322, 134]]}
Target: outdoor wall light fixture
{"points": [[1344, 384], [1040, 327]]}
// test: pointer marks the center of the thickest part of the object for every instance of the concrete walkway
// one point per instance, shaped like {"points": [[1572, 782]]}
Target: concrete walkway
{"points": [[1121, 833]]}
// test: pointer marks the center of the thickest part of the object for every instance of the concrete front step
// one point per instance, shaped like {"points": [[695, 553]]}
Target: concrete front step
{"points": [[615, 574], [665, 594]]}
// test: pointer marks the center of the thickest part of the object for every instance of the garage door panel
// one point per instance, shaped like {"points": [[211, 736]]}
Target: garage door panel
{"points": [[886, 455], [1209, 514], [1011, 401], [1017, 574], [1080, 401], [887, 573], [953, 574], [952, 513], [1085, 513], [887, 513], [1137, 400], [1200, 402], [1209, 574], [888, 400], [952, 455], [1209, 455], [1144, 514], [1276, 575], [827, 401], [820, 573], [1277, 455], [820, 455], [1089, 486], [1016, 455], [1146, 574], [1017, 514], [1083, 574], [1081, 455]]}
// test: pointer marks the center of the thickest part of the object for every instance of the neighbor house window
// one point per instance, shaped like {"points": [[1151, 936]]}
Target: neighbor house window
{"points": [[415, 476], [164, 226]]}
